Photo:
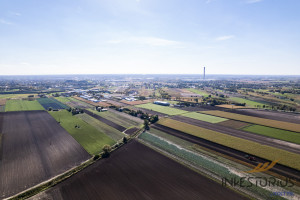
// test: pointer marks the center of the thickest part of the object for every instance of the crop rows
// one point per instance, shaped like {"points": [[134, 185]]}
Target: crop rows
{"points": [[162, 109], [263, 151], [256, 120]]}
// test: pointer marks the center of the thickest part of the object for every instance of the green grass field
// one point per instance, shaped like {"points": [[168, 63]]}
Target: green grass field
{"points": [[118, 119], [249, 103], [63, 99], [264, 151], [102, 127], [22, 105], [17, 96], [274, 133], [200, 92], [204, 117], [162, 109], [89, 137], [255, 120]]}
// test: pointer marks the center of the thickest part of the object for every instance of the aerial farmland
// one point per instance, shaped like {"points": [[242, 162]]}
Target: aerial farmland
{"points": [[78, 140]]}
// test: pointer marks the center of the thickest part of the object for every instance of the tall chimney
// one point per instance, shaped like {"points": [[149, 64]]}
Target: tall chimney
{"points": [[204, 73]]}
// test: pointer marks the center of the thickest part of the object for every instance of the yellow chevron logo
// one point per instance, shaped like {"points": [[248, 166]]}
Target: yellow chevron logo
{"points": [[262, 167]]}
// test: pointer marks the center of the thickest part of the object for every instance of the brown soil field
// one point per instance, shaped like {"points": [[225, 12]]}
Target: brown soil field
{"points": [[237, 133], [131, 131], [275, 115], [34, 148], [136, 172], [136, 102], [2, 102], [106, 121], [86, 101], [230, 106], [256, 120], [233, 124], [103, 104], [78, 105], [278, 168]]}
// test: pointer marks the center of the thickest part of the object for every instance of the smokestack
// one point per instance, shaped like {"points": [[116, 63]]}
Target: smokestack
{"points": [[204, 73]]}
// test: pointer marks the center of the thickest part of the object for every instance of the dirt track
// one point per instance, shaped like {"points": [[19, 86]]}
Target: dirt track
{"points": [[239, 133], [136, 172], [280, 169], [34, 148], [106, 121]]}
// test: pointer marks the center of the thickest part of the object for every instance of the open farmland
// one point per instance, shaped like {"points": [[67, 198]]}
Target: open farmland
{"points": [[51, 103], [234, 124], [106, 121], [14, 96], [136, 102], [204, 117], [286, 158], [102, 127], [71, 102], [268, 114], [249, 103], [230, 106], [89, 137], [137, 172], [22, 105], [162, 109], [120, 118], [34, 148], [256, 120], [274, 133], [2, 102], [200, 92]]}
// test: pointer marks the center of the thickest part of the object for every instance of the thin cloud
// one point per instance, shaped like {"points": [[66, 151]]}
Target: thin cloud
{"points": [[15, 13], [225, 37], [151, 41], [2, 21], [253, 1]]}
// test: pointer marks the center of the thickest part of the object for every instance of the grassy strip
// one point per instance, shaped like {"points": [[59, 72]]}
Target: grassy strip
{"points": [[22, 105], [162, 109], [263, 151], [201, 92], [248, 102], [204, 117], [274, 133], [89, 137], [116, 118], [201, 161], [255, 120], [102, 127], [10, 96]]}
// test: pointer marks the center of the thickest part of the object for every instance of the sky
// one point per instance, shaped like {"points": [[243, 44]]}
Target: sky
{"points": [[149, 37]]}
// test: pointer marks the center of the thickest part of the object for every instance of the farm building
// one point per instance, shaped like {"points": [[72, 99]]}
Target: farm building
{"points": [[162, 103]]}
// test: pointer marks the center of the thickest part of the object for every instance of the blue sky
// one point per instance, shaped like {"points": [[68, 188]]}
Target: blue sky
{"points": [[150, 36]]}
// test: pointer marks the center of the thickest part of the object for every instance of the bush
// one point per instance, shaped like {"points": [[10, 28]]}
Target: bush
{"points": [[106, 151], [96, 157]]}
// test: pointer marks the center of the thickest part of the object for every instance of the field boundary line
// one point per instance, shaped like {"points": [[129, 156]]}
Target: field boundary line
{"points": [[198, 170]]}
